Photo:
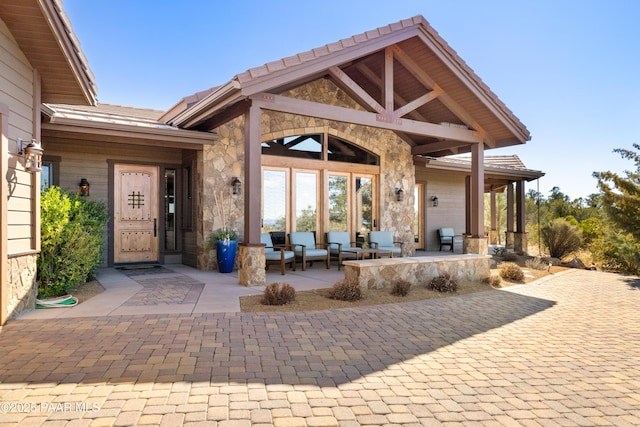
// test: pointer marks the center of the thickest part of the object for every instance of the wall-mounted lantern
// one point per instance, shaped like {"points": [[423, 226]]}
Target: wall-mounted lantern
{"points": [[399, 194], [434, 201], [85, 187], [32, 153], [237, 185]]}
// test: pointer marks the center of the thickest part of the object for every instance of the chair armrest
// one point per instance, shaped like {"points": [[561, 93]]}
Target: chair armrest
{"points": [[399, 243], [336, 243], [325, 245], [373, 245]]}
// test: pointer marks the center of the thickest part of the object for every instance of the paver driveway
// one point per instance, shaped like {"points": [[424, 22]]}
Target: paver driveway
{"points": [[561, 351]]}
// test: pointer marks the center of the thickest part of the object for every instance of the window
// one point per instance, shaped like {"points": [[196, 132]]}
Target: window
{"points": [[340, 150], [46, 175], [302, 146]]}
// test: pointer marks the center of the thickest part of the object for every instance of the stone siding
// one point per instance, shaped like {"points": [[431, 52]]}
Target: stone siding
{"points": [[381, 273], [225, 159], [22, 285]]}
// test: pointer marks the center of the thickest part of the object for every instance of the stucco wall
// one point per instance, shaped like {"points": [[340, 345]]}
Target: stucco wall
{"points": [[225, 159]]}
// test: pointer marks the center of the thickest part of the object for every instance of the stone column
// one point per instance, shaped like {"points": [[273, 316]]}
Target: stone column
{"points": [[251, 265], [520, 243], [475, 245]]}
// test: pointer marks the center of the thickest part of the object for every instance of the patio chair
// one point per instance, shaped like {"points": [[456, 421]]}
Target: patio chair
{"points": [[383, 240], [277, 254], [341, 247], [448, 237], [306, 249]]}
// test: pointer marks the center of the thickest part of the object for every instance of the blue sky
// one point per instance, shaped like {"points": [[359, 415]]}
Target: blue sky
{"points": [[568, 69]]}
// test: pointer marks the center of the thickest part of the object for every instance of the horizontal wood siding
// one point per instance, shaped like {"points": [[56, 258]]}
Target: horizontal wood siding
{"points": [[450, 212], [16, 92]]}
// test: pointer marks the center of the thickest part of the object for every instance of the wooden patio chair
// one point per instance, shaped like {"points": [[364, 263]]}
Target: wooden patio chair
{"points": [[448, 237], [341, 246], [383, 240], [281, 255], [306, 249]]}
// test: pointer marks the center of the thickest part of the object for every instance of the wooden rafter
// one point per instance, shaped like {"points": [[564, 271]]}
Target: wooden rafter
{"points": [[285, 104], [354, 90], [446, 100]]}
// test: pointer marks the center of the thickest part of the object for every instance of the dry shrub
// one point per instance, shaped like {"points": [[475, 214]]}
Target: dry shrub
{"points": [[400, 288], [511, 272], [536, 264], [443, 283], [278, 294], [509, 256], [493, 281], [346, 290]]}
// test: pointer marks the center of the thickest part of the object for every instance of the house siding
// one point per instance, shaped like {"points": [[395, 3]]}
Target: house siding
{"points": [[91, 160], [450, 212], [20, 192]]}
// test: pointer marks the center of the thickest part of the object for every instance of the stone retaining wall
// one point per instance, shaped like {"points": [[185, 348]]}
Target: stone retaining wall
{"points": [[380, 273]]}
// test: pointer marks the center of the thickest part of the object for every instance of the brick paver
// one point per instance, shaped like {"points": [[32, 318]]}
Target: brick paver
{"points": [[561, 351]]}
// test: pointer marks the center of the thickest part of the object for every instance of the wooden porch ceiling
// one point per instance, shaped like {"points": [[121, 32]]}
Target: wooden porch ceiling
{"points": [[44, 34]]}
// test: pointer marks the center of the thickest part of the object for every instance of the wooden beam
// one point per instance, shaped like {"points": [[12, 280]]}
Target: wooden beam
{"points": [[436, 146], [408, 63], [369, 74], [418, 102], [388, 81], [477, 190], [285, 104], [354, 90], [252, 175]]}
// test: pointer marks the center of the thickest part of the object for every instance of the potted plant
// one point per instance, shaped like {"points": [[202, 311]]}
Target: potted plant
{"points": [[223, 239]]}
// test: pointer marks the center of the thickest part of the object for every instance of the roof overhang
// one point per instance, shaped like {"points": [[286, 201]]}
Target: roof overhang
{"points": [[45, 36], [496, 176], [425, 85], [70, 123]]}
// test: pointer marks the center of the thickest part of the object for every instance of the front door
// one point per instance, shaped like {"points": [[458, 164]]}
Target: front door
{"points": [[135, 213]]}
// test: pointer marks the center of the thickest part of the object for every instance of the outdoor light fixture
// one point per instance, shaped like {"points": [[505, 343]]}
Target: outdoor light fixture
{"points": [[33, 155], [237, 185], [399, 194], [85, 187], [434, 201]]}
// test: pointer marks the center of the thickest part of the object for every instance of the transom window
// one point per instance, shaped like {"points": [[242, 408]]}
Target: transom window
{"points": [[314, 146]]}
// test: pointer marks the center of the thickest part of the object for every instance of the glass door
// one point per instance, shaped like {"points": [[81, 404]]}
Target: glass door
{"points": [[364, 207], [339, 202], [305, 201]]}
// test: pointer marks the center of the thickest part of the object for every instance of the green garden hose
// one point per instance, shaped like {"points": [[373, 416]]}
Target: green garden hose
{"points": [[65, 301]]}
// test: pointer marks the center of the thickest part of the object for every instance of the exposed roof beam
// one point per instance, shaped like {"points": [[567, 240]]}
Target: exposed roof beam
{"points": [[418, 102], [273, 102], [435, 147], [354, 90], [369, 74], [446, 100]]}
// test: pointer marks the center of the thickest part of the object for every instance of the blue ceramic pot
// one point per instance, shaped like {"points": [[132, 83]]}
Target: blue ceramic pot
{"points": [[226, 255]]}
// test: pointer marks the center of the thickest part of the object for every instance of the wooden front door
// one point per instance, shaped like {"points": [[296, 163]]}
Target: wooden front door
{"points": [[135, 213]]}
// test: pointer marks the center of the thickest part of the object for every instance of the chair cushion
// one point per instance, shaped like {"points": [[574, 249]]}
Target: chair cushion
{"points": [[446, 232], [311, 253], [275, 255], [393, 249], [382, 238], [303, 238], [265, 239], [334, 237]]}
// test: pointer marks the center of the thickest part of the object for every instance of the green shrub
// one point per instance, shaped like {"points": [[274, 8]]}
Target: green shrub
{"points": [[617, 252], [71, 230], [443, 283], [346, 290], [278, 294], [511, 272], [561, 238], [400, 288]]}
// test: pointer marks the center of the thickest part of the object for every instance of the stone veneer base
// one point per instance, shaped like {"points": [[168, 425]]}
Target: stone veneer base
{"points": [[251, 265], [380, 273]]}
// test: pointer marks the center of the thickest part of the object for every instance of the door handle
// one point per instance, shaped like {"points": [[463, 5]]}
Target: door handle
{"points": [[375, 223], [155, 227]]}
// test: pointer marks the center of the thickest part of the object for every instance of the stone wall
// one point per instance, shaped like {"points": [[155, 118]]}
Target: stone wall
{"points": [[381, 273], [225, 159], [22, 285]]}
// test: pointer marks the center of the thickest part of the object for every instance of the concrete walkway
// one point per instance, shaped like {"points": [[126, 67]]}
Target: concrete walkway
{"points": [[564, 350]]}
